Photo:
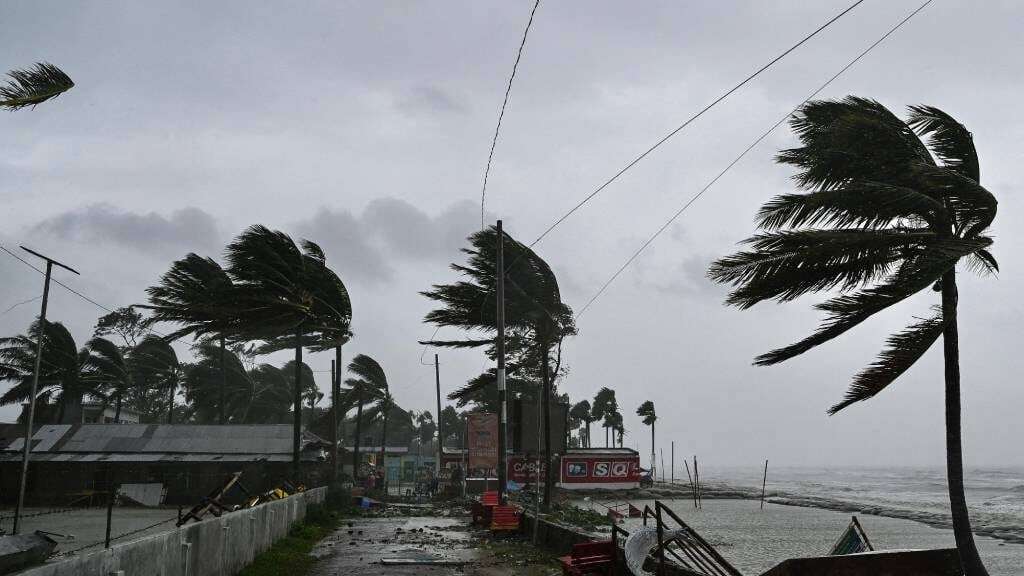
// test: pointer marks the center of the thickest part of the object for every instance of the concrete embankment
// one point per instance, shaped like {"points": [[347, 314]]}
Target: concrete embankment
{"points": [[216, 546]]}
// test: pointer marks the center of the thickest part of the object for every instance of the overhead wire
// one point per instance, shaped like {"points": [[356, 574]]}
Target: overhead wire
{"points": [[501, 115], [692, 118], [742, 154]]}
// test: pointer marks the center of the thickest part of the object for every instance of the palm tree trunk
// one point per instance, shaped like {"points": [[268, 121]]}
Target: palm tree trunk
{"points": [[545, 403], [297, 403], [117, 409], [223, 381], [359, 424], [970, 561]]}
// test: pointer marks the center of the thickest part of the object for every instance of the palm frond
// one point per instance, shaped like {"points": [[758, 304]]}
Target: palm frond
{"points": [[856, 204], [31, 87], [849, 310], [786, 264], [904, 349], [950, 140]]}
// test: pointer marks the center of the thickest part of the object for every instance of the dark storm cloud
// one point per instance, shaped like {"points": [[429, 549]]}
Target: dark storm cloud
{"points": [[184, 230], [389, 230]]}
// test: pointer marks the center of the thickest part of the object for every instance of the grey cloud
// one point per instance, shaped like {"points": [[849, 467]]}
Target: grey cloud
{"points": [[388, 229], [189, 229]]}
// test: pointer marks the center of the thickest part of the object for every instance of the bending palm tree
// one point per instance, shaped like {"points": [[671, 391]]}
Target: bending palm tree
{"points": [[646, 411], [881, 221], [62, 372], [534, 312], [581, 411], [218, 386], [108, 370], [196, 293], [604, 406], [288, 300], [155, 366], [369, 385]]}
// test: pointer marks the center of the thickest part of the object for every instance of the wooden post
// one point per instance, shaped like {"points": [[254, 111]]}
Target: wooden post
{"points": [[696, 480], [110, 504], [764, 482], [673, 462], [662, 465], [693, 488]]}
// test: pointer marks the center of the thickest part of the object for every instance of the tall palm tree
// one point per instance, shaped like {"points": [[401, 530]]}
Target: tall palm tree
{"points": [[288, 298], [154, 365], [108, 370], [62, 371], [196, 293], [581, 411], [605, 405], [368, 386], [646, 411], [885, 216], [534, 312], [31, 87]]}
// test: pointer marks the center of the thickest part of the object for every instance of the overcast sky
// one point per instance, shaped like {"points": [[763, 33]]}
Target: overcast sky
{"points": [[366, 126]]}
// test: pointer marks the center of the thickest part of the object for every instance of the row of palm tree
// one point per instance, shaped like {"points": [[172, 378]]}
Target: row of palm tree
{"points": [[147, 378]]}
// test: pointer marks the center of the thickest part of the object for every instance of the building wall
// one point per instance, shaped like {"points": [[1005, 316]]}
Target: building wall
{"points": [[216, 546]]}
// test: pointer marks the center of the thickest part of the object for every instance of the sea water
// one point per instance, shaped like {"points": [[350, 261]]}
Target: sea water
{"points": [[808, 508]]}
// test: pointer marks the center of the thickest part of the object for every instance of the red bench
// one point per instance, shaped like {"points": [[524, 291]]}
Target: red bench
{"points": [[483, 507], [504, 518], [590, 558]]}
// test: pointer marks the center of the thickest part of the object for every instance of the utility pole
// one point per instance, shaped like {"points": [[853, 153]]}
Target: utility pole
{"points": [[673, 461], [440, 428], [503, 419], [35, 382]]}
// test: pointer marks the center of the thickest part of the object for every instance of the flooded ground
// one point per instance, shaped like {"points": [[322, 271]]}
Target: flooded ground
{"points": [[426, 546], [754, 540]]}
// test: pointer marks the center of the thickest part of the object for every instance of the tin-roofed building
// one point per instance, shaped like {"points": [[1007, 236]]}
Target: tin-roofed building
{"points": [[72, 461]]}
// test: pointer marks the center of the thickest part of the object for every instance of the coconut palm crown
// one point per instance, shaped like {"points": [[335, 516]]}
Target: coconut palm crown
{"points": [[889, 208]]}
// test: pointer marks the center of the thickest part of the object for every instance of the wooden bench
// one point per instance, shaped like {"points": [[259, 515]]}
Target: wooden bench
{"points": [[589, 558], [505, 518], [483, 507]]}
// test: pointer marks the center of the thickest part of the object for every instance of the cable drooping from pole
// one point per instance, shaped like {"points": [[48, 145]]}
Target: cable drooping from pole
{"points": [[501, 115], [692, 118], [742, 154]]}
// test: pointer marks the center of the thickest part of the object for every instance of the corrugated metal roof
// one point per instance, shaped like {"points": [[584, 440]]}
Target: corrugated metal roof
{"points": [[97, 440], [158, 458]]}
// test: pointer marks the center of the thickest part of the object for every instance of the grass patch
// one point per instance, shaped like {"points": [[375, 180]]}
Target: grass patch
{"points": [[290, 555]]}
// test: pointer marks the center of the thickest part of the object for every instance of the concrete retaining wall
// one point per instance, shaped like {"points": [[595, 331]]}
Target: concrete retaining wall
{"points": [[214, 547]]}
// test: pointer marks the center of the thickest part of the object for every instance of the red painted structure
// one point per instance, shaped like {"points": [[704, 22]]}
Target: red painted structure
{"points": [[607, 468]]}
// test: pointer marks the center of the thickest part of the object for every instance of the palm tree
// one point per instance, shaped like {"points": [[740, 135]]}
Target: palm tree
{"points": [[289, 299], [646, 411], [218, 386], [196, 293], [272, 396], [884, 217], [603, 408], [108, 370], [154, 366], [534, 312], [62, 371], [29, 88], [581, 411], [368, 386]]}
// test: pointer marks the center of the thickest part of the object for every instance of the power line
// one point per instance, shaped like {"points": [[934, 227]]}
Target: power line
{"points": [[501, 115], [744, 153], [700, 113]]}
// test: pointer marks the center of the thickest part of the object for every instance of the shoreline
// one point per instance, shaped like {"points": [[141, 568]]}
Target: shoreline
{"points": [[721, 491]]}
